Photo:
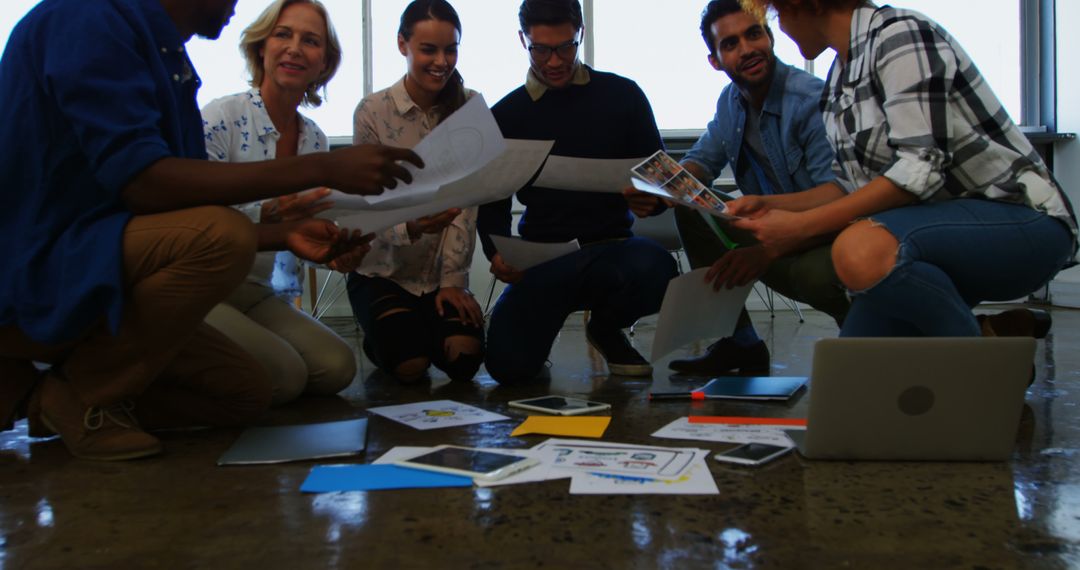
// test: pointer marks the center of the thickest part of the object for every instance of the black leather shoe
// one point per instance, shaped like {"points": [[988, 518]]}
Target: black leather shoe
{"points": [[1016, 322], [725, 356], [622, 359]]}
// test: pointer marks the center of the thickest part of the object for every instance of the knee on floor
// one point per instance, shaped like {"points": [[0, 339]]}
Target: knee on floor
{"points": [[332, 371], [412, 370], [463, 356]]}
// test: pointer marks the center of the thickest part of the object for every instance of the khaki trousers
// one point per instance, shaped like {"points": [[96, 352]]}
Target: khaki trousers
{"points": [[179, 371]]}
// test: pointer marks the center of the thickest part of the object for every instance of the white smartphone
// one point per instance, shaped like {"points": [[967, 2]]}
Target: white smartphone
{"points": [[560, 405], [469, 462], [752, 453]]}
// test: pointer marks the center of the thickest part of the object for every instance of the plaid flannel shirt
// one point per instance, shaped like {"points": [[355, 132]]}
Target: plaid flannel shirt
{"points": [[910, 105]]}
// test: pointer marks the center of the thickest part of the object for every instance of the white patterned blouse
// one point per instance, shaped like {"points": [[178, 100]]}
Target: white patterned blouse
{"points": [[390, 117], [238, 129]]}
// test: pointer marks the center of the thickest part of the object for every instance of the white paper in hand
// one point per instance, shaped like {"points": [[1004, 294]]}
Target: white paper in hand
{"points": [[693, 311], [521, 254]]}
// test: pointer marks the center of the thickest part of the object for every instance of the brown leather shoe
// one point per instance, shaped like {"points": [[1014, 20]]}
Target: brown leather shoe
{"points": [[104, 434], [725, 356], [1016, 322]]}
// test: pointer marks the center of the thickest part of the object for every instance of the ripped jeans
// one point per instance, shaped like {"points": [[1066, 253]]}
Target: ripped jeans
{"points": [[954, 255], [400, 327]]}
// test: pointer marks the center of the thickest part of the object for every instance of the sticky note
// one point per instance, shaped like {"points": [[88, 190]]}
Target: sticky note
{"points": [[335, 478], [577, 426]]}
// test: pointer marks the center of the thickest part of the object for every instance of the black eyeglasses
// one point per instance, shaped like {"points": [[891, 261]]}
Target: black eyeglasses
{"points": [[566, 51]]}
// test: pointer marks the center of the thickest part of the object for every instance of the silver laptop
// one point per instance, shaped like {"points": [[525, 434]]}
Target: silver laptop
{"points": [[947, 399], [279, 444]]}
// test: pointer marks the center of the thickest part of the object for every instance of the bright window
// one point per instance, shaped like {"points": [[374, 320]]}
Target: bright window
{"points": [[989, 31], [670, 65], [13, 11]]}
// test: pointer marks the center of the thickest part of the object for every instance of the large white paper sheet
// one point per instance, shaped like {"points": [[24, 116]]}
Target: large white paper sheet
{"points": [[437, 414], [497, 180], [459, 146], [697, 480], [586, 174], [521, 254], [692, 311], [726, 433]]}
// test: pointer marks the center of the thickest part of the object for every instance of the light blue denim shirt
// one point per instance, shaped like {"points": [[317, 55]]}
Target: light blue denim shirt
{"points": [[792, 133]]}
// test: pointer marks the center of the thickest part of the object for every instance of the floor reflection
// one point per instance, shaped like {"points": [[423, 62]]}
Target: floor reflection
{"points": [[59, 512]]}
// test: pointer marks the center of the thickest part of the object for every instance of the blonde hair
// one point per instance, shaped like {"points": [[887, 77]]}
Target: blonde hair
{"points": [[758, 8], [755, 8], [253, 40]]}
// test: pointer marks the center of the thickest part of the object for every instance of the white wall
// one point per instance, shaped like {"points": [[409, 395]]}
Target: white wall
{"points": [[1065, 290]]}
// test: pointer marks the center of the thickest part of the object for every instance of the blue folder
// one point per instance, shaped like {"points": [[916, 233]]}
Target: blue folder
{"points": [[336, 478]]}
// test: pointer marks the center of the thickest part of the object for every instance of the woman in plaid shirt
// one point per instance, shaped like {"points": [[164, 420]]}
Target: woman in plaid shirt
{"points": [[947, 204]]}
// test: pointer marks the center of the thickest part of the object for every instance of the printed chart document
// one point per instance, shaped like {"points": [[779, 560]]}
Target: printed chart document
{"points": [[498, 179], [627, 460], [697, 480], [663, 176], [521, 254], [726, 433], [586, 174], [693, 311], [437, 414]]}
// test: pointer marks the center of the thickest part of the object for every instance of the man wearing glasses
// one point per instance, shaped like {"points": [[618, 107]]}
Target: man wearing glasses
{"points": [[617, 277]]}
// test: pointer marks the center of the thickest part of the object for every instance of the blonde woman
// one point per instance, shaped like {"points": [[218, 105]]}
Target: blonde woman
{"points": [[292, 52]]}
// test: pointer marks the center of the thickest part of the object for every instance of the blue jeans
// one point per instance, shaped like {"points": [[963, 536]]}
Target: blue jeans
{"points": [[954, 255], [619, 281]]}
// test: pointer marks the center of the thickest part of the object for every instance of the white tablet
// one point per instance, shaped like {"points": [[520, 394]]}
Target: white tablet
{"points": [[469, 462], [560, 405]]}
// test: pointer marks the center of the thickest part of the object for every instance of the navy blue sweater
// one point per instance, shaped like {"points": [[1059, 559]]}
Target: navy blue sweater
{"points": [[607, 118]]}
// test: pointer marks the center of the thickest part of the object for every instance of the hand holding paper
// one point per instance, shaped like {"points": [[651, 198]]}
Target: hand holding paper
{"points": [[661, 175], [692, 311]]}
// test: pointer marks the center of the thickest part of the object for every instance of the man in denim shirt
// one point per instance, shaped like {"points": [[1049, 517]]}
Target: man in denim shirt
{"points": [[768, 127]]}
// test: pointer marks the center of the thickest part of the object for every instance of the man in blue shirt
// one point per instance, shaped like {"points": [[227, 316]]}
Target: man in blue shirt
{"points": [[114, 250], [617, 277], [768, 127]]}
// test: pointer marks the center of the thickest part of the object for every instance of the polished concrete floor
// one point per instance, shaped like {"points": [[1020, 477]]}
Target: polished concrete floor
{"points": [[181, 511]]}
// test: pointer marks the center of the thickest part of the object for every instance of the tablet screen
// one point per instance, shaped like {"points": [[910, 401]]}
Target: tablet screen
{"points": [[558, 403], [466, 460]]}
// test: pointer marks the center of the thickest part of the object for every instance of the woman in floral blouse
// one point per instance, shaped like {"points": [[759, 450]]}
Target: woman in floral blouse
{"points": [[291, 52], [410, 294]]}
